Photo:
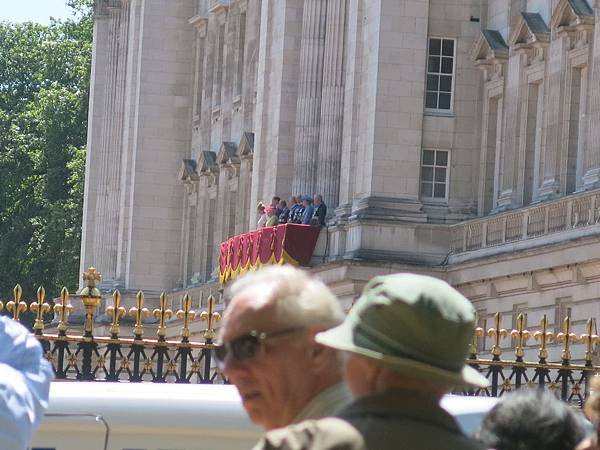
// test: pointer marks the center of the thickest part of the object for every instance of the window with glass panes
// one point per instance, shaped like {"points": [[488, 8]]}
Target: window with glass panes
{"points": [[440, 73], [434, 174]]}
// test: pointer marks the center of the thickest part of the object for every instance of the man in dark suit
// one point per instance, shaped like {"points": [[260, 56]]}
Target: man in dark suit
{"points": [[320, 211]]}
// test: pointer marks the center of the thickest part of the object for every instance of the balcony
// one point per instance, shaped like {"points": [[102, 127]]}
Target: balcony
{"points": [[282, 244], [574, 216]]}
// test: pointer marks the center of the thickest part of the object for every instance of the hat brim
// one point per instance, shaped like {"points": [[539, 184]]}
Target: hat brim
{"points": [[341, 338]]}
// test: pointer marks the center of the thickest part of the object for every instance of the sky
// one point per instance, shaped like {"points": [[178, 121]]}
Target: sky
{"points": [[33, 10]]}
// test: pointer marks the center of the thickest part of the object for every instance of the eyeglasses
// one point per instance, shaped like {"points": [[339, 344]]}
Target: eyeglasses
{"points": [[247, 346]]}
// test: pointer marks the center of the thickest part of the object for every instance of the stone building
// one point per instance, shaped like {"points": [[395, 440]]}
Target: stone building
{"points": [[459, 138]]}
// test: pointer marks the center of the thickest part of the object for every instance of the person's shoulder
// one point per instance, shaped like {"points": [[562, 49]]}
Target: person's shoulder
{"points": [[324, 434]]}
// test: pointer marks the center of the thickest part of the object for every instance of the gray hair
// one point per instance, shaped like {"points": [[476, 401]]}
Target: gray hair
{"points": [[299, 298]]}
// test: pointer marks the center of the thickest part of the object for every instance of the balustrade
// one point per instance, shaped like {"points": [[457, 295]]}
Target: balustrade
{"points": [[575, 211]]}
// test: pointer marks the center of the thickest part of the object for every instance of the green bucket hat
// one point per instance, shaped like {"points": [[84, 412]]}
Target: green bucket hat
{"points": [[413, 324]]}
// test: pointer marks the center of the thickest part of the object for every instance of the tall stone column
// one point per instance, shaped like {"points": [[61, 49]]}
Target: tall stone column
{"points": [[107, 206], [550, 186], [515, 87], [332, 106], [309, 96], [591, 178]]}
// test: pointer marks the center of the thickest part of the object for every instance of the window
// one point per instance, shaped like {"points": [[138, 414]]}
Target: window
{"points": [[440, 75], [434, 174]]}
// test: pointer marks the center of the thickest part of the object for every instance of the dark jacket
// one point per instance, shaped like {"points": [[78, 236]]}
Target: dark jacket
{"points": [[320, 214], [393, 420]]}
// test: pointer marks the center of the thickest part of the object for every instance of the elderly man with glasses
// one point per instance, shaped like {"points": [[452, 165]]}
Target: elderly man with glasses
{"points": [[267, 347]]}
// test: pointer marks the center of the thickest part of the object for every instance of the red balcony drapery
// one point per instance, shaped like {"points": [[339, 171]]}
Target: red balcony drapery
{"points": [[282, 244]]}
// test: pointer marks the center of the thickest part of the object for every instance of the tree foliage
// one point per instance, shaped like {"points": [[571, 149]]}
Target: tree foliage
{"points": [[44, 86]]}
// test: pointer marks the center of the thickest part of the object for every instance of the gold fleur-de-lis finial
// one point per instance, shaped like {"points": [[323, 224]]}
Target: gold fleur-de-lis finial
{"points": [[544, 337], [521, 335], [567, 338], [139, 312], [116, 311], [63, 309], [162, 313], [497, 333], [186, 314], [210, 317], [477, 333], [16, 306], [91, 276], [589, 338], [39, 308]]}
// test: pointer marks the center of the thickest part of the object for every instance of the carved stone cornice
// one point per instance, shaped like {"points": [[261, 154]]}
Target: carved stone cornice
{"points": [[571, 16], [200, 23], [228, 159], [529, 32], [246, 147], [187, 171], [490, 53]]}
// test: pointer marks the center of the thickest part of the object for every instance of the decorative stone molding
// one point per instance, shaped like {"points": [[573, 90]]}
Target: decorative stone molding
{"points": [[228, 159], [567, 213], [529, 32], [246, 147], [200, 23], [219, 8], [572, 16], [187, 172], [490, 54], [208, 166]]}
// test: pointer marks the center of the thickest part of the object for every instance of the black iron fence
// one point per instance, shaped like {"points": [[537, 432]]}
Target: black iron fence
{"points": [[87, 357]]}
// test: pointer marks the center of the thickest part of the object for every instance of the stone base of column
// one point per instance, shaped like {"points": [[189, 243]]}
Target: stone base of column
{"points": [[591, 179], [506, 201], [550, 190], [388, 209]]}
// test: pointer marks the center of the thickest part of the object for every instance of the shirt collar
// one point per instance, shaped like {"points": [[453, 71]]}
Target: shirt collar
{"points": [[326, 403]]}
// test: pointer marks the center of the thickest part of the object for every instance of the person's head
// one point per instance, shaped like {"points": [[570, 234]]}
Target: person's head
{"points": [[293, 200], [260, 208], [406, 331], [282, 204], [531, 419], [268, 349], [275, 201], [306, 200], [299, 199], [270, 211], [592, 404], [318, 199]]}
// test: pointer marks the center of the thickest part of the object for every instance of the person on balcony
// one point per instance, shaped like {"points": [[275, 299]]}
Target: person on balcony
{"points": [[275, 204], [272, 218], [297, 210], [320, 213], [262, 216], [266, 346], [285, 212], [25, 378], [308, 212]]}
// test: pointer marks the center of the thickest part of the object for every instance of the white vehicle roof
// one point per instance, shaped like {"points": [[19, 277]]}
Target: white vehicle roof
{"points": [[151, 416]]}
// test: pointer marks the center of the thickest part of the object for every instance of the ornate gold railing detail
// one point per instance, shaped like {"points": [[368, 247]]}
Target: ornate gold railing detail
{"points": [[136, 358], [162, 314], [211, 317], [138, 312], [116, 311], [545, 337], [16, 306], [521, 335]]}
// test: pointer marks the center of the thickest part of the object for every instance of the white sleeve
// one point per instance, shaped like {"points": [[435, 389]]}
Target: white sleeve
{"points": [[25, 378]]}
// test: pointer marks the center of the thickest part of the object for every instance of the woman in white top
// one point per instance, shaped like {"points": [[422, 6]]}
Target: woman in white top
{"points": [[262, 220]]}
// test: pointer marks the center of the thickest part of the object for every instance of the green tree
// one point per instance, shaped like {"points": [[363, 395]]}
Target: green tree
{"points": [[44, 87]]}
